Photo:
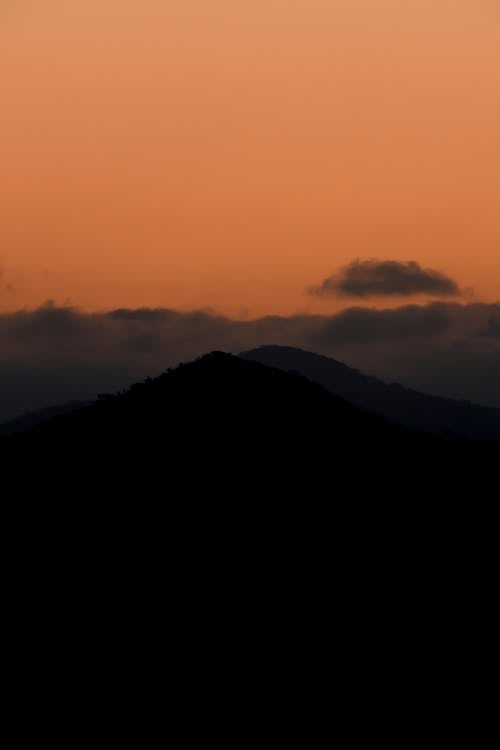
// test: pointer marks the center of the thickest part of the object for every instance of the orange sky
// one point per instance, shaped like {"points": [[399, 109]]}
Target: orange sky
{"points": [[228, 153]]}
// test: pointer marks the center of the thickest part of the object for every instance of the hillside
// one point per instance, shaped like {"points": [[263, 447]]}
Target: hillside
{"points": [[224, 428], [225, 470], [405, 406], [34, 418]]}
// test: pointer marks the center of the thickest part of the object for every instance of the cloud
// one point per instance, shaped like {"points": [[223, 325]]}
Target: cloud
{"points": [[366, 326], [374, 278], [55, 354]]}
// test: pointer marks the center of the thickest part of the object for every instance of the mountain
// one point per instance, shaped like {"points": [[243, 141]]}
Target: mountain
{"points": [[34, 418], [242, 502], [401, 405], [228, 428]]}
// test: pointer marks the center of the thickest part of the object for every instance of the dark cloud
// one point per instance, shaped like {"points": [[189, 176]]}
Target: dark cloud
{"points": [[366, 326], [375, 278], [56, 354]]}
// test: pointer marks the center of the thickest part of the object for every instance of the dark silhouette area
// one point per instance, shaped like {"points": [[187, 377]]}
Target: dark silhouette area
{"points": [[241, 504], [224, 428], [405, 406], [34, 418], [53, 354]]}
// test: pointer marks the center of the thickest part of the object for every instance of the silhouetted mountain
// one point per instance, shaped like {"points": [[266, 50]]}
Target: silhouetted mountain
{"points": [[224, 427], [405, 406], [34, 418], [245, 504]]}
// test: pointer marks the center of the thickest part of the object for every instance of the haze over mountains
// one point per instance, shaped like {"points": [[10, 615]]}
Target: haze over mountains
{"points": [[55, 354], [404, 406]]}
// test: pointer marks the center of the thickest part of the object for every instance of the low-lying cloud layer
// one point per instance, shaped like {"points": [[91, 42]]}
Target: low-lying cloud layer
{"points": [[55, 354], [376, 278]]}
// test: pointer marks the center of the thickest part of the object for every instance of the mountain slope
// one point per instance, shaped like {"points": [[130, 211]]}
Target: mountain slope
{"points": [[301, 514], [34, 418], [404, 406], [226, 428]]}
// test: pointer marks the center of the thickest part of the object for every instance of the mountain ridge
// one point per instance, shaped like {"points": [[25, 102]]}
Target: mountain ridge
{"points": [[402, 405], [235, 430]]}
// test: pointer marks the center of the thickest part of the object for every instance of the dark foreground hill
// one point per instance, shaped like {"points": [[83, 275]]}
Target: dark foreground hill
{"points": [[224, 428], [34, 418], [405, 406], [239, 521]]}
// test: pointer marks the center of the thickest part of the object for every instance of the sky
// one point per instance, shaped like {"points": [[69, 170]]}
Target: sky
{"points": [[240, 156], [178, 176]]}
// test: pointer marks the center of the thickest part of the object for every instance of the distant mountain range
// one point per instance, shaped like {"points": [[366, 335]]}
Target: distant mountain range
{"points": [[401, 405]]}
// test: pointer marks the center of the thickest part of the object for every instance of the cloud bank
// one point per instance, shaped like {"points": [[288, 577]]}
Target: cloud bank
{"points": [[376, 278], [56, 354]]}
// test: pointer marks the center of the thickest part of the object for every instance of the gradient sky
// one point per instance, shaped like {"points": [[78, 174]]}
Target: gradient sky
{"points": [[229, 153]]}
